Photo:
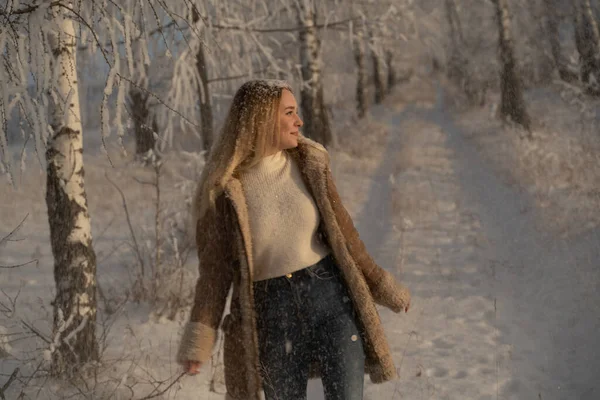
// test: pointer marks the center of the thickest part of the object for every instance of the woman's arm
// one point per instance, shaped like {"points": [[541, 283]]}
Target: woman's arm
{"points": [[216, 275], [385, 289]]}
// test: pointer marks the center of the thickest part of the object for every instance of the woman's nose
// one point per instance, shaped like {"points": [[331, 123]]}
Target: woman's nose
{"points": [[299, 122]]}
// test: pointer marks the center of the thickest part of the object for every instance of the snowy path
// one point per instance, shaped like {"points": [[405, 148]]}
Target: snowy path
{"points": [[500, 310]]}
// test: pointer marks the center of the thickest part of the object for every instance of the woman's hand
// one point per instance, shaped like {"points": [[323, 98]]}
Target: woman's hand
{"points": [[192, 367]]}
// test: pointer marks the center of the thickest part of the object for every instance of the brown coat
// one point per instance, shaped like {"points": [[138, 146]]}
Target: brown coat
{"points": [[225, 253]]}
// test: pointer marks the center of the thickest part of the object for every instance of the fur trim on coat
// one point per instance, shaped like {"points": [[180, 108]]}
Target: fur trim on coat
{"points": [[225, 254]]}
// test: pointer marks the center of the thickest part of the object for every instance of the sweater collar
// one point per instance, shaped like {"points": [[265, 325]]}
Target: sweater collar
{"points": [[309, 155]]}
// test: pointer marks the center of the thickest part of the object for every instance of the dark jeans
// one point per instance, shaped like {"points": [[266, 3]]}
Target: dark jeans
{"points": [[308, 318]]}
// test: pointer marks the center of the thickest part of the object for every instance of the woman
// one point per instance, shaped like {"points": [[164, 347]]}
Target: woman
{"points": [[269, 221]]}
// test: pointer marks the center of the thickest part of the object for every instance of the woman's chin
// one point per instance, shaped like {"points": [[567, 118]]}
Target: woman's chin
{"points": [[291, 143]]}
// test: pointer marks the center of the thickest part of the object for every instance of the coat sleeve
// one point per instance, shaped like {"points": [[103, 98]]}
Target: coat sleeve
{"points": [[386, 291], [215, 254]]}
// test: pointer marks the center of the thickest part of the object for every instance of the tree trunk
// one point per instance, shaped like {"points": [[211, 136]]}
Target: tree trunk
{"points": [[70, 227], [206, 113], [512, 102], [456, 36], [457, 64], [138, 102], [142, 120], [587, 39], [541, 71], [361, 81], [314, 113], [377, 65], [391, 73], [552, 33]]}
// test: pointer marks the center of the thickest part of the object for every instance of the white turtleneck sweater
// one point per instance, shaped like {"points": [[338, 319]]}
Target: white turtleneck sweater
{"points": [[283, 218]]}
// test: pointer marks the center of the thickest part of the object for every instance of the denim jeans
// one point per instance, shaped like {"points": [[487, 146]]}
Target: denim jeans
{"points": [[309, 318]]}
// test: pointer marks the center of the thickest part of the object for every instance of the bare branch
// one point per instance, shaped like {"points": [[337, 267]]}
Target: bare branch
{"points": [[131, 231], [36, 332], [19, 265], [7, 238], [155, 393], [13, 376], [26, 10]]}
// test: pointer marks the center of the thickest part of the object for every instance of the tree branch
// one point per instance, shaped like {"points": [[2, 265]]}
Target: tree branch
{"points": [[13, 376], [26, 10], [14, 231]]}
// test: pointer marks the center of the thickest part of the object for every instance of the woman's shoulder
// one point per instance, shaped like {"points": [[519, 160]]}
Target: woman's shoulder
{"points": [[311, 144], [313, 149]]}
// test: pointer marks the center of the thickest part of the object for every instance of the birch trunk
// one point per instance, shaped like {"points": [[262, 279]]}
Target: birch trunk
{"points": [[588, 46], [543, 66], [377, 65], [206, 112], [70, 229], [457, 65], [361, 69], [316, 119], [391, 73], [455, 31], [552, 33], [512, 102]]}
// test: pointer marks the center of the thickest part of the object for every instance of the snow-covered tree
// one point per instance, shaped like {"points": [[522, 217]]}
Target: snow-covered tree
{"points": [[70, 228], [39, 82], [314, 113]]}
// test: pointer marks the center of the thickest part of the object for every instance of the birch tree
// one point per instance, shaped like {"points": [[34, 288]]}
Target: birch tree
{"points": [[70, 228], [512, 103], [378, 65], [314, 113], [206, 112], [456, 69], [361, 69], [587, 40], [391, 73], [39, 84], [551, 24]]}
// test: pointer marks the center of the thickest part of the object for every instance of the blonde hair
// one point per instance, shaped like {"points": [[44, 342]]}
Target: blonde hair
{"points": [[250, 131]]}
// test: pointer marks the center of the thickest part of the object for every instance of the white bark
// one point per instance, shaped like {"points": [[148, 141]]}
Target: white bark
{"points": [[70, 228], [316, 120]]}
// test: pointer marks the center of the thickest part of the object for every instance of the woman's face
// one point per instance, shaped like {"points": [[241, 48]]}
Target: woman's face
{"points": [[289, 121]]}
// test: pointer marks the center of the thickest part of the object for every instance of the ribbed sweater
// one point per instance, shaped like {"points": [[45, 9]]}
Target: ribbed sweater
{"points": [[284, 218]]}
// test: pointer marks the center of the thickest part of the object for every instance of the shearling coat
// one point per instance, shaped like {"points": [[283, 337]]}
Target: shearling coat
{"points": [[225, 254]]}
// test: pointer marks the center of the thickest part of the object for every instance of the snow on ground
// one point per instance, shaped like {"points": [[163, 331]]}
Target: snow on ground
{"points": [[502, 309]]}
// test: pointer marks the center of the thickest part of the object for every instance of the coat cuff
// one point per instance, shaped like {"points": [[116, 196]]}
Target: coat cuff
{"points": [[389, 293], [196, 343]]}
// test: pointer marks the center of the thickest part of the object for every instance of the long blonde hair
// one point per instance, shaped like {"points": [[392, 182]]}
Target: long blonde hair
{"points": [[250, 131]]}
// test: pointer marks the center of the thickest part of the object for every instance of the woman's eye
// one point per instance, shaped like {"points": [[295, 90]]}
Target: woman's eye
{"points": [[289, 113]]}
